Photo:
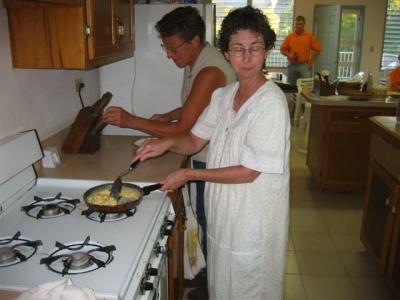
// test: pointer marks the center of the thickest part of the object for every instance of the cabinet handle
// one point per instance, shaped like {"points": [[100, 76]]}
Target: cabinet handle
{"points": [[393, 209], [356, 117], [87, 31], [387, 201]]}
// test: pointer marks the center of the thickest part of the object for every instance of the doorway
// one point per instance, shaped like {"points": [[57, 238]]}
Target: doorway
{"points": [[339, 30], [350, 42]]}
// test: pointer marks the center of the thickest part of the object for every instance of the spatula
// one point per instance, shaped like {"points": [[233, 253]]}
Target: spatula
{"points": [[117, 184]]}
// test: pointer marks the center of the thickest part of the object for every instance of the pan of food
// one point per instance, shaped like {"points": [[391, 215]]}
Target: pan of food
{"points": [[99, 198]]}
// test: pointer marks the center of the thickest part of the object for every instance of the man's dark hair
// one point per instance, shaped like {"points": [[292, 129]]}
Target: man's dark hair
{"points": [[249, 18], [184, 21], [301, 18]]}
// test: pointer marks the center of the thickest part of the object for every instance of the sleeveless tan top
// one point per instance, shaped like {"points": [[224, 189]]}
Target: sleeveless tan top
{"points": [[208, 57]]}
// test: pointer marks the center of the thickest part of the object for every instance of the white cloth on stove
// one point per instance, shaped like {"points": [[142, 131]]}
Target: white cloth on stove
{"points": [[58, 290], [247, 223]]}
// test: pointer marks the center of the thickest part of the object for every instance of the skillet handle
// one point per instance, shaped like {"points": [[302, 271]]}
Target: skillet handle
{"points": [[149, 188]]}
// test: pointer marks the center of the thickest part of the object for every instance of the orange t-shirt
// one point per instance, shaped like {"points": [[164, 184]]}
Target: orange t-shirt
{"points": [[300, 44], [394, 80]]}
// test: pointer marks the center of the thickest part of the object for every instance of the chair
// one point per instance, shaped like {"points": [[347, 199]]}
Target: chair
{"points": [[302, 118]]}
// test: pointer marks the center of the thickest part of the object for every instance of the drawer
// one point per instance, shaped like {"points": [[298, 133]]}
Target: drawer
{"points": [[357, 116], [385, 155]]}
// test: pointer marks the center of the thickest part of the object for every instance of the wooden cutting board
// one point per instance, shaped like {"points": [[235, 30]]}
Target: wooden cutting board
{"points": [[85, 133]]}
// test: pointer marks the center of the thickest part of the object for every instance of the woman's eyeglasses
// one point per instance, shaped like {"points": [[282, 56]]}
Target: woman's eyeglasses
{"points": [[240, 51], [172, 49]]}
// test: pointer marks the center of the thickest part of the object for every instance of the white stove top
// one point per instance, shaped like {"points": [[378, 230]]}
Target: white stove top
{"points": [[129, 236]]}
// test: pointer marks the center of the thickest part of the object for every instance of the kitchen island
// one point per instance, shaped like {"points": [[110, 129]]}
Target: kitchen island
{"points": [[338, 140], [380, 230], [114, 156]]}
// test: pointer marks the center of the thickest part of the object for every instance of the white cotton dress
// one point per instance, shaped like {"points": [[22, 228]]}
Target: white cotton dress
{"points": [[247, 223]]}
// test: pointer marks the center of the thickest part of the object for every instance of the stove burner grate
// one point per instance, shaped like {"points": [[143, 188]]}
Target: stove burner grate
{"points": [[107, 217], [51, 207], [16, 249], [78, 257]]}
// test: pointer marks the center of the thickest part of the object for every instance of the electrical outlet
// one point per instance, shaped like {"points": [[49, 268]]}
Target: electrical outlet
{"points": [[78, 83]]}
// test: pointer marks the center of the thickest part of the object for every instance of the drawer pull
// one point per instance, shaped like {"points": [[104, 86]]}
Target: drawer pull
{"points": [[387, 201], [393, 209], [356, 117]]}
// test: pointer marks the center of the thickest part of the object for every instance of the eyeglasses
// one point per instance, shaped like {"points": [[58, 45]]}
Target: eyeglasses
{"points": [[172, 49], [240, 51]]}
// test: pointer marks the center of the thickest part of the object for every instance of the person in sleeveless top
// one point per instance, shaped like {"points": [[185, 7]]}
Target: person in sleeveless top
{"points": [[182, 32]]}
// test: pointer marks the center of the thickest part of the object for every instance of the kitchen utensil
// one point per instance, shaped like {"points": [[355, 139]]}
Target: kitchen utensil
{"points": [[84, 135], [117, 184], [124, 204]]}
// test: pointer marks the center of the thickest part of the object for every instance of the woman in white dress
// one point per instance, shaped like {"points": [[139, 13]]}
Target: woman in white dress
{"points": [[247, 177]]}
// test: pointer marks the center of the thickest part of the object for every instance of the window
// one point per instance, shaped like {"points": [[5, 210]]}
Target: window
{"points": [[280, 17], [391, 41]]}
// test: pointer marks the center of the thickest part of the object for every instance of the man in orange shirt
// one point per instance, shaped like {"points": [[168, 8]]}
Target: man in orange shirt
{"points": [[394, 79], [302, 49]]}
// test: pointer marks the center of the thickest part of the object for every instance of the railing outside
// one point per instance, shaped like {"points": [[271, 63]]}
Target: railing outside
{"points": [[346, 64]]}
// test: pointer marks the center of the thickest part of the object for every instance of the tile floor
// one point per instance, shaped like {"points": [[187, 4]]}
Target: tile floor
{"points": [[326, 260]]}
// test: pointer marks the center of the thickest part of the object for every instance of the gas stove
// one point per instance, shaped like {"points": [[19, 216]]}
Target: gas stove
{"points": [[47, 233]]}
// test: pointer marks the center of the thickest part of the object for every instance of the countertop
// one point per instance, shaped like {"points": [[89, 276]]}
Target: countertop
{"points": [[114, 156], [342, 101], [388, 127]]}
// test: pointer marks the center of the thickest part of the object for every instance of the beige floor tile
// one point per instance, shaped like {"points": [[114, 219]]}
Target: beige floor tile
{"points": [[313, 241], [370, 288], [291, 263], [307, 221], [294, 289], [348, 242], [359, 264], [290, 242], [343, 221], [328, 288], [319, 263]]}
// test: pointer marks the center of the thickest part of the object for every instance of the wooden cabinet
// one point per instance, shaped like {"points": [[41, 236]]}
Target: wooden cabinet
{"points": [[380, 229], [70, 34], [338, 145], [379, 215], [176, 245]]}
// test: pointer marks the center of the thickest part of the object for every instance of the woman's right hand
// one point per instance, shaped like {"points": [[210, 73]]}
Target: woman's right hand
{"points": [[153, 148]]}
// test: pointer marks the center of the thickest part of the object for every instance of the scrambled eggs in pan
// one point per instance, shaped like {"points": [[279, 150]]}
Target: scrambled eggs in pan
{"points": [[102, 196]]}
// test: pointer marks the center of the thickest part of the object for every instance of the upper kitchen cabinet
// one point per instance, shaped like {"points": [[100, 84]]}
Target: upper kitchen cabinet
{"points": [[70, 34]]}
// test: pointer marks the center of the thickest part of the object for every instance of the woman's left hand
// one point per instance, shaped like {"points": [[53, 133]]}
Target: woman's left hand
{"points": [[175, 180]]}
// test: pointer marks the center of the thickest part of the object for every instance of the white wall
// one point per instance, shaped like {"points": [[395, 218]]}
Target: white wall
{"points": [[42, 99], [374, 23]]}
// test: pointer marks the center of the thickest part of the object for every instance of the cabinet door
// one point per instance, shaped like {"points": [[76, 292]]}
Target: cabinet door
{"points": [[176, 246], [100, 16], [124, 25], [345, 162], [378, 215], [393, 273]]}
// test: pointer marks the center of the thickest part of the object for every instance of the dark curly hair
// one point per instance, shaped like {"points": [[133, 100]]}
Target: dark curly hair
{"points": [[249, 18], [184, 21]]}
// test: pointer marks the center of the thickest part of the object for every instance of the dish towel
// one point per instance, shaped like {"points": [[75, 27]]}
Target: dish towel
{"points": [[58, 290], [193, 257]]}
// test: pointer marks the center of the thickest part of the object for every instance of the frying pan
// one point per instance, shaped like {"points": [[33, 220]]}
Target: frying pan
{"points": [[125, 203]]}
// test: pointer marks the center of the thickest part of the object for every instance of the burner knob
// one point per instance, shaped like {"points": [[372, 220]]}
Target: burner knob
{"points": [[151, 271], [168, 222], [145, 286], [165, 231], [158, 249]]}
